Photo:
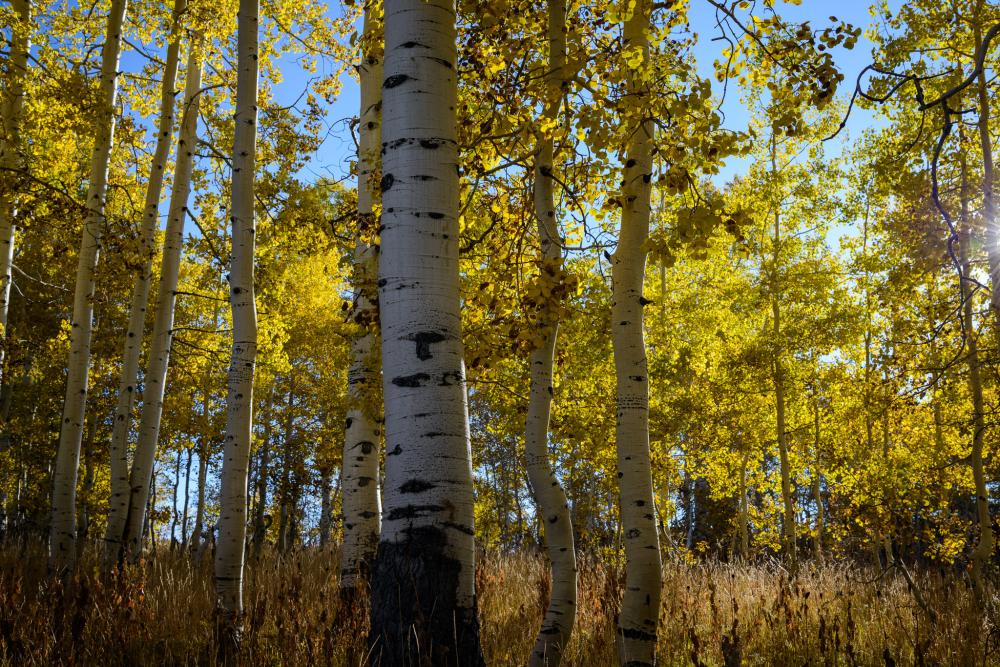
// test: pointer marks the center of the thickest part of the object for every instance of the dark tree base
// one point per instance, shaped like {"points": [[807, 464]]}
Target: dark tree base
{"points": [[415, 620]]}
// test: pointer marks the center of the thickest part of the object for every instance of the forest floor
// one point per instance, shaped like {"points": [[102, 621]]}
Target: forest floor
{"points": [[712, 614]]}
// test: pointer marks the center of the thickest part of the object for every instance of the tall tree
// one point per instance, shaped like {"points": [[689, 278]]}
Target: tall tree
{"points": [[155, 377], [11, 154], [360, 469], [639, 619], [229, 555], [560, 616], [63, 528], [118, 504], [423, 607]]}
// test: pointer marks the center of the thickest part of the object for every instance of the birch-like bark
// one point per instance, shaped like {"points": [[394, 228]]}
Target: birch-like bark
{"points": [[161, 338], [11, 156], [359, 473], [62, 533], [119, 502], [557, 626], [229, 555], [637, 623], [423, 587]]}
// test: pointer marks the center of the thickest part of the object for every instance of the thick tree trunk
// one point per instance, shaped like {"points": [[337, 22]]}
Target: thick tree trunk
{"points": [[637, 624], [119, 502], [11, 155], [229, 554], [423, 586], [161, 338], [359, 473], [63, 528], [557, 626]]}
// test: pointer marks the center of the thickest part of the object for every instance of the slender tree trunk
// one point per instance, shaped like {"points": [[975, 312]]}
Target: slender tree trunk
{"points": [[983, 551], [229, 554], [326, 508], [989, 202], [173, 499], [744, 518], [788, 528], [88, 485], [424, 585], [817, 483], [260, 523], [187, 496], [204, 454], [285, 490], [63, 528], [360, 470], [155, 378], [119, 503], [637, 624], [557, 626], [11, 155]]}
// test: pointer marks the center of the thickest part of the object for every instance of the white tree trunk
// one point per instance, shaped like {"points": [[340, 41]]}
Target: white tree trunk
{"points": [[637, 624], [119, 502], [63, 529], [11, 158], [155, 378], [359, 472], [423, 586], [229, 553], [557, 626]]}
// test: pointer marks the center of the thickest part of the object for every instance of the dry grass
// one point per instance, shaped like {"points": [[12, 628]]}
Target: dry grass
{"points": [[716, 614]]}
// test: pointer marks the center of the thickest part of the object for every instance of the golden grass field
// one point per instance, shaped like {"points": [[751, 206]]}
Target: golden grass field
{"points": [[713, 614]]}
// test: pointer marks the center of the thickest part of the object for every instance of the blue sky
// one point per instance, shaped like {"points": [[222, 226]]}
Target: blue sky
{"points": [[337, 150]]}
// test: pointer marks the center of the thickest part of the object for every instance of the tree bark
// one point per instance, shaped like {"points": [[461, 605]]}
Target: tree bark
{"points": [[119, 502], [161, 338], [230, 548], [788, 528], [360, 470], [557, 626], [423, 587], [326, 508], [637, 624], [11, 155], [983, 551], [63, 528]]}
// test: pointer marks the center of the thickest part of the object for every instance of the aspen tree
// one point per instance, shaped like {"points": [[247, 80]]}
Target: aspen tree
{"points": [[63, 528], [984, 548], [119, 502], [161, 338], [788, 530], [11, 158], [230, 549], [360, 470], [423, 601], [560, 616], [637, 623]]}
